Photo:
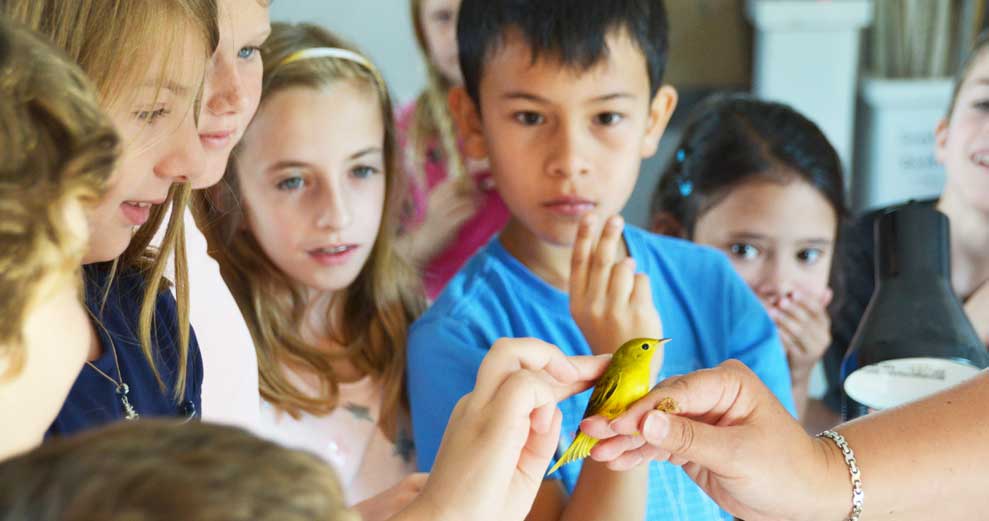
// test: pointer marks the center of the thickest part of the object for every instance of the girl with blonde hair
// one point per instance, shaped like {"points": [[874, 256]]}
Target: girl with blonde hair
{"points": [[303, 227], [453, 206], [147, 59]]}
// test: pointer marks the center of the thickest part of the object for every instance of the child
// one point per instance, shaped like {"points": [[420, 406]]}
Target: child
{"points": [[501, 433], [303, 230], [57, 150], [761, 182], [231, 94], [455, 209], [962, 146], [565, 98], [147, 61]]}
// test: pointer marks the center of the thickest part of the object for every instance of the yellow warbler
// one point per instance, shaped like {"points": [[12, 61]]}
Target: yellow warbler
{"points": [[626, 380]]}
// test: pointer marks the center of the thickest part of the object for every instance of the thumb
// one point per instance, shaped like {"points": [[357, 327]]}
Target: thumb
{"points": [[688, 440]]}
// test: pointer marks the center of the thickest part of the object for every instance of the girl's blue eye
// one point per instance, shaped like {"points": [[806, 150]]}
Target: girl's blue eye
{"points": [[292, 183], [246, 53], [529, 119], [809, 255], [742, 250], [150, 116], [363, 172], [609, 118]]}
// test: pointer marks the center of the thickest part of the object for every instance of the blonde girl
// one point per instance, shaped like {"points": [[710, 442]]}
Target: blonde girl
{"points": [[147, 59], [453, 207], [303, 227], [57, 150]]}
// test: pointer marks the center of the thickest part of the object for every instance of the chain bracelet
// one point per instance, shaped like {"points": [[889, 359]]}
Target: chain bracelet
{"points": [[858, 497]]}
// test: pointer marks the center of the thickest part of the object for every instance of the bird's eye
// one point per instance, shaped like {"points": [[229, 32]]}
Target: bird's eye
{"points": [[645, 347]]}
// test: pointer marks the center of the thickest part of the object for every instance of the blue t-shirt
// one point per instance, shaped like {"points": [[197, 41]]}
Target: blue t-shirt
{"points": [[93, 401], [707, 310]]}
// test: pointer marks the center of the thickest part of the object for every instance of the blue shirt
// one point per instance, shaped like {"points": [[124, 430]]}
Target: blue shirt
{"points": [[708, 311], [93, 401]]}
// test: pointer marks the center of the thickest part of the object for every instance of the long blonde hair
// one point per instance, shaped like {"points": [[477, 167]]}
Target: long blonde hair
{"points": [[432, 119], [377, 307], [56, 147], [111, 40]]}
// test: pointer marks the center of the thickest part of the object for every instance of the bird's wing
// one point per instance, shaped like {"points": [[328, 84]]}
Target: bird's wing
{"points": [[602, 393]]}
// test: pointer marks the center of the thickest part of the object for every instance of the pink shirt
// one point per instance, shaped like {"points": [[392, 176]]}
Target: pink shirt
{"points": [[491, 216]]}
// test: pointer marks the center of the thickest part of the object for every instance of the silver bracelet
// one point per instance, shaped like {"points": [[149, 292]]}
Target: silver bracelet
{"points": [[858, 497]]}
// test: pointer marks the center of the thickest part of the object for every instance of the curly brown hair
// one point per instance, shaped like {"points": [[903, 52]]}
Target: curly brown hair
{"points": [[57, 149]]}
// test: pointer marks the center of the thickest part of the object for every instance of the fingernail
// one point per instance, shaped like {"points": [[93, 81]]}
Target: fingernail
{"points": [[615, 221], [655, 427]]}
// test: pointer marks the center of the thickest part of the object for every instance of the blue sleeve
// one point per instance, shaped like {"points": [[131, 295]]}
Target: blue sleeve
{"points": [[754, 341], [443, 360]]}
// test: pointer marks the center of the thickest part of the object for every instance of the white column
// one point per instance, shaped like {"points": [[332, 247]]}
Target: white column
{"points": [[807, 55]]}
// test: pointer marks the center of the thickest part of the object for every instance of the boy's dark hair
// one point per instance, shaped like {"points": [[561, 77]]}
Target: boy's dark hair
{"points": [[573, 31], [732, 139], [155, 470]]}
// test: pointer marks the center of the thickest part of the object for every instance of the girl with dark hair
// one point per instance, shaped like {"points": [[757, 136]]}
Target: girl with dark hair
{"points": [[762, 183]]}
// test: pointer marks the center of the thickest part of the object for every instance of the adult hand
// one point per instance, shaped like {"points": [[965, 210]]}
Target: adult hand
{"points": [[732, 437]]}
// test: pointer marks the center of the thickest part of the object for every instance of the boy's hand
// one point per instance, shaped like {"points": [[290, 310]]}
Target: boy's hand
{"points": [[608, 300]]}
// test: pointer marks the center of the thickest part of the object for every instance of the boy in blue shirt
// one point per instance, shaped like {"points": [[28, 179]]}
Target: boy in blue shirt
{"points": [[565, 98]]}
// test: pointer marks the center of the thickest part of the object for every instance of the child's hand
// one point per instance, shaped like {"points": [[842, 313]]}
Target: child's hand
{"points": [[392, 501], [501, 436], [451, 204], [977, 309], [805, 329], [608, 300]]}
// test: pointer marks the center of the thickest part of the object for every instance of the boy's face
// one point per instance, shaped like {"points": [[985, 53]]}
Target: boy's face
{"points": [[563, 141]]}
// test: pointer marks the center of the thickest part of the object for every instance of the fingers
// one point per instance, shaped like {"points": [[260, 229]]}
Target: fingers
{"points": [[539, 448], [603, 257], [707, 394], [622, 281], [509, 355], [581, 256]]}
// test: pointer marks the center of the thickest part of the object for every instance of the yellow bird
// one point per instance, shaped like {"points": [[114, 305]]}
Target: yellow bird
{"points": [[625, 381]]}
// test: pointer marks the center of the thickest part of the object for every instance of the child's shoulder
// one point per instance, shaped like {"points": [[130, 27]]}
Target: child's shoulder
{"points": [[487, 291], [672, 255]]}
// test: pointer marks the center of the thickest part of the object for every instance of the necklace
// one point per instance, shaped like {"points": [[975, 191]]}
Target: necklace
{"points": [[122, 389]]}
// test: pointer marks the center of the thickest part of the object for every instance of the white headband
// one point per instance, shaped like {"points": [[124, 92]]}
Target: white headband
{"points": [[340, 54]]}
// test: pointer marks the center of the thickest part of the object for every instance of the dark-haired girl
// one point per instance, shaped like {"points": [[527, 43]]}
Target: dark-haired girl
{"points": [[760, 182]]}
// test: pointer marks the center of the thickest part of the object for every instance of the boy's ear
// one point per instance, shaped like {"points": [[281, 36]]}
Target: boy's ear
{"points": [[468, 120], [941, 140], [664, 223], [660, 111]]}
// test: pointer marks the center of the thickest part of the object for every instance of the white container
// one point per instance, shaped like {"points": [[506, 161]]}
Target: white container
{"points": [[807, 55], [895, 154]]}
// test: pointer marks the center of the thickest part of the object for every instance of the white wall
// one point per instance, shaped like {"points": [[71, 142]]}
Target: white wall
{"points": [[382, 29]]}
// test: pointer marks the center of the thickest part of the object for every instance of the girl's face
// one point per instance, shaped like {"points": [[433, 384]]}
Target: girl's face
{"points": [[780, 237], [161, 148], [439, 25], [962, 143], [313, 182], [233, 83]]}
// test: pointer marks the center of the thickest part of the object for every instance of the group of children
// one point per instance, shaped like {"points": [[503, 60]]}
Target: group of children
{"points": [[348, 267]]}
